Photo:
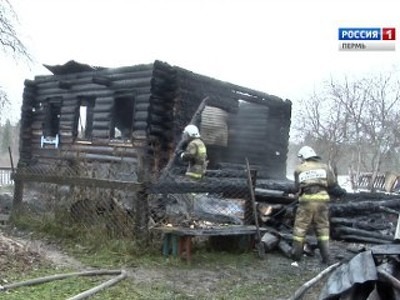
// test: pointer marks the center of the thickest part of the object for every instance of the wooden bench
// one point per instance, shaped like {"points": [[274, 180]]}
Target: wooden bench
{"points": [[177, 241]]}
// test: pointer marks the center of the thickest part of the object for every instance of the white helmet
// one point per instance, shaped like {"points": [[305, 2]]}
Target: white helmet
{"points": [[306, 152], [192, 131]]}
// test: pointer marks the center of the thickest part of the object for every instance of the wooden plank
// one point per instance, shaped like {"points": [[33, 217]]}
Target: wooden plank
{"points": [[214, 231]]}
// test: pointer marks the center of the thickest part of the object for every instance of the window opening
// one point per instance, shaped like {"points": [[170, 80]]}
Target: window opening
{"points": [[122, 118], [51, 124], [84, 119], [52, 121]]}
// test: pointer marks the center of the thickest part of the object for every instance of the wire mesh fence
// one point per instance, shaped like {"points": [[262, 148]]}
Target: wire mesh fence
{"points": [[123, 201], [85, 195], [205, 203]]}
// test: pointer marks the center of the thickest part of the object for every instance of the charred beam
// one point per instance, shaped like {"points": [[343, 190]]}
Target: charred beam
{"points": [[362, 233], [64, 85], [101, 80], [355, 208]]}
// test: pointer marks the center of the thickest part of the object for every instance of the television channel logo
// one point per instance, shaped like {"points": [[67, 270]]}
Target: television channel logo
{"points": [[367, 39]]}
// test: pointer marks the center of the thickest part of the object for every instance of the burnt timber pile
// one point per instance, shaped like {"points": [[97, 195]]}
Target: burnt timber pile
{"points": [[369, 218], [365, 217]]}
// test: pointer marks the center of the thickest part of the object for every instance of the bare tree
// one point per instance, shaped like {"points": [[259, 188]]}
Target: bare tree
{"points": [[4, 102], [356, 120], [352, 97], [10, 44], [9, 41], [380, 121], [323, 124]]}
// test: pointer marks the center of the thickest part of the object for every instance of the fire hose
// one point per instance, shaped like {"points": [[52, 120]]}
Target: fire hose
{"points": [[121, 275]]}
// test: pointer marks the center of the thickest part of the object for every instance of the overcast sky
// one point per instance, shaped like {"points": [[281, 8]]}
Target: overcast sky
{"points": [[285, 48]]}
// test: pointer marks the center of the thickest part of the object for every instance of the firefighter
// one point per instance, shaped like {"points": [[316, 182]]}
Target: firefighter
{"points": [[195, 153], [313, 179]]}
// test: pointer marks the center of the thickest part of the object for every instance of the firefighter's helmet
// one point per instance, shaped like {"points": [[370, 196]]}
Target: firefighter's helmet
{"points": [[192, 131], [306, 152]]}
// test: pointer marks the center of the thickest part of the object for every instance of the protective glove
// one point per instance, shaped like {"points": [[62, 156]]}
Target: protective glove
{"points": [[179, 152], [337, 191]]}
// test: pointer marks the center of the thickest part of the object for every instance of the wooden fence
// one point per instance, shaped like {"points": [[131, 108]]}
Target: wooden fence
{"points": [[5, 176], [388, 182]]}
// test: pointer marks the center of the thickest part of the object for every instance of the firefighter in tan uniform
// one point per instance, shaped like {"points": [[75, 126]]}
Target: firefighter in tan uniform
{"points": [[313, 178], [195, 153]]}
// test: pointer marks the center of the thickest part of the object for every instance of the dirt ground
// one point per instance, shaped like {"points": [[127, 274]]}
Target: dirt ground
{"points": [[276, 272]]}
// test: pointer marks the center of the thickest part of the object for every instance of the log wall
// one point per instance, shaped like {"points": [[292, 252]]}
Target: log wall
{"points": [[102, 86]]}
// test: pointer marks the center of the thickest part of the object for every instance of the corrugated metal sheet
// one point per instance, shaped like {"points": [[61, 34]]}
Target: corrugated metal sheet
{"points": [[214, 126], [359, 270]]}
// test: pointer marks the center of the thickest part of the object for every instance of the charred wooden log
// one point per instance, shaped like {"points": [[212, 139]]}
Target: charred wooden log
{"points": [[141, 116], [100, 158], [366, 196], [345, 230], [361, 239], [226, 173], [357, 208], [361, 224], [142, 98], [128, 83], [140, 125], [206, 185], [142, 106], [105, 150], [65, 85], [102, 80]]}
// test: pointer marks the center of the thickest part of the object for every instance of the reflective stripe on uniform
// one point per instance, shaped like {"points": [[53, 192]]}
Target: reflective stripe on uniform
{"points": [[201, 148], [194, 175], [298, 238], [323, 238], [314, 197]]}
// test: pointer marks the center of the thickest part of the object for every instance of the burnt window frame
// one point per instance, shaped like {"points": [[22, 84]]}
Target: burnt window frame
{"points": [[51, 125], [130, 96], [89, 102]]}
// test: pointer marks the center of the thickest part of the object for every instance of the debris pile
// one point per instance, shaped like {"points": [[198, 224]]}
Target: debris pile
{"points": [[365, 217], [355, 217], [16, 255]]}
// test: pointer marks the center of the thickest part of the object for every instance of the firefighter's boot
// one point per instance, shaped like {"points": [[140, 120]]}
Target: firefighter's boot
{"points": [[297, 250], [324, 250]]}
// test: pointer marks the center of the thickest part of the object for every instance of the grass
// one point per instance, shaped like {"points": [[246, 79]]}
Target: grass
{"points": [[7, 188], [181, 279], [212, 274], [230, 288]]}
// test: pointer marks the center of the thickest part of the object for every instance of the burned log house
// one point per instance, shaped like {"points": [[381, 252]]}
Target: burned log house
{"points": [[131, 117]]}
